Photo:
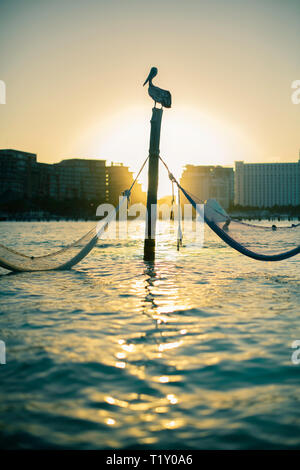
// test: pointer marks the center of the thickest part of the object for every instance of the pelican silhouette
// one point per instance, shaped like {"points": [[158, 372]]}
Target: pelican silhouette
{"points": [[157, 94]]}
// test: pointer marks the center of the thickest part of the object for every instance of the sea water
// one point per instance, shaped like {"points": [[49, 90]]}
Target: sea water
{"points": [[193, 351]]}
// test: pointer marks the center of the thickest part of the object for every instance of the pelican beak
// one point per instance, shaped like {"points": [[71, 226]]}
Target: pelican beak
{"points": [[148, 78]]}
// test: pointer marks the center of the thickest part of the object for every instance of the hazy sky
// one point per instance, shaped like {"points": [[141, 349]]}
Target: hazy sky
{"points": [[74, 71]]}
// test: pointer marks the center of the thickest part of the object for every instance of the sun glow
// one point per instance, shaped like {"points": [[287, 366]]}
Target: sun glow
{"points": [[187, 136]]}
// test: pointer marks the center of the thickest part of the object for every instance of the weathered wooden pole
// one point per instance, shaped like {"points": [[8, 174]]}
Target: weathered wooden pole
{"points": [[164, 98], [149, 246]]}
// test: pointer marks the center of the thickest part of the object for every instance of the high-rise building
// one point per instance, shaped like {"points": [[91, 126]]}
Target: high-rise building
{"points": [[22, 177], [267, 184], [206, 181], [120, 179], [15, 173], [80, 178]]}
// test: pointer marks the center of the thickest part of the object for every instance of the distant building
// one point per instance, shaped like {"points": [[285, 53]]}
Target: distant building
{"points": [[22, 177], [206, 182], [15, 174], [267, 184], [119, 179], [80, 179]]}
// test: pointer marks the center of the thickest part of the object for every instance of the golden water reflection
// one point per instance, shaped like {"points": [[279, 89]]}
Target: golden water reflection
{"points": [[187, 346]]}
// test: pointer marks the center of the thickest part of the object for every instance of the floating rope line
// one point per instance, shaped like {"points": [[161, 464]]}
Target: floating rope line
{"points": [[238, 236]]}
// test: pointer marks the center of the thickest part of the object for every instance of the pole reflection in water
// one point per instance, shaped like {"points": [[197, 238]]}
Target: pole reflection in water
{"points": [[192, 351]]}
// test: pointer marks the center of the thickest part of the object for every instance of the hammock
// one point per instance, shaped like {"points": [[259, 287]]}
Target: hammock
{"points": [[255, 241], [68, 256], [62, 259]]}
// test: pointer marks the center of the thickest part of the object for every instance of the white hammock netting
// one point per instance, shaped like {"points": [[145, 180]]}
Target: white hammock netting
{"points": [[260, 242], [59, 260], [273, 243]]}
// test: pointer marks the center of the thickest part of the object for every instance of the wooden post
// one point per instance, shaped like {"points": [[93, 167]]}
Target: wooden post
{"points": [[149, 246]]}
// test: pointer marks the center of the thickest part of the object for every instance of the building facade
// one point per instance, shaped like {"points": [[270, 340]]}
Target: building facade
{"points": [[80, 179], [267, 184], [206, 181], [22, 177], [119, 179], [16, 169]]}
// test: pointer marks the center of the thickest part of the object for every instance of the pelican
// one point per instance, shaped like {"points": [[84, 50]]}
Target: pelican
{"points": [[157, 94]]}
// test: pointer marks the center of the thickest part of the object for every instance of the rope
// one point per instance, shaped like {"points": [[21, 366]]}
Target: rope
{"points": [[172, 202], [237, 246], [141, 169], [201, 201], [171, 176], [58, 260], [227, 238], [173, 180], [179, 232]]}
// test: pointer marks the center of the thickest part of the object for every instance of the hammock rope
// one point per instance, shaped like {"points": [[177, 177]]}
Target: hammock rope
{"points": [[179, 231], [229, 230], [263, 227], [69, 255]]}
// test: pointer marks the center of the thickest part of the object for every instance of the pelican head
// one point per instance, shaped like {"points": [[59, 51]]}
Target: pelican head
{"points": [[152, 74]]}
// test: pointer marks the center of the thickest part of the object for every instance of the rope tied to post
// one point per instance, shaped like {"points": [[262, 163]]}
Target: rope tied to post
{"points": [[237, 234]]}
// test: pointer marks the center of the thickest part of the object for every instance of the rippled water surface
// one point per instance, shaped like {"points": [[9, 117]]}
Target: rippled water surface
{"points": [[192, 352]]}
